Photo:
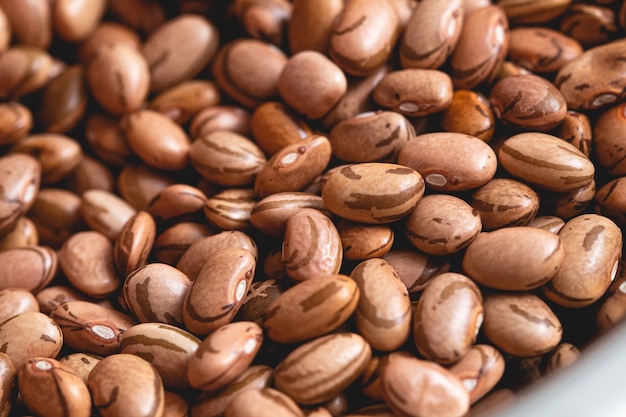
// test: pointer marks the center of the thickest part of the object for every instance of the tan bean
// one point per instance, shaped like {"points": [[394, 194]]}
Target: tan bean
{"points": [[514, 258], [363, 35], [50, 388], [236, 70], [24, 233], [231, 209], [520, 324], [450, 161], [576, 130], [75, 20], [126, 384], [442, 224], [590, 24], [479, 370], [217, 293], [24, 70], [311, 84], [542, 50], [28, 335], [334, 372], [107, 33], [370, 137], [106, 138], [274, 126], [139, 184], [224, 355], [52, 296], [20, 178], [167, 348], [373, 192], [156, 139], [89, 327], [156, 293], [594, 79], [383, 315], [481, 48], [431, 33], [28, 267], [170, 245], [87, 261], [546, 161], [504, 202], [469, 113], [30, 22], [264, 20], [16, 121], [105, 212], [592, 246], [58, 154], [118, 77], [534, 11], [81, 363], [263, 402], [144, 16], [8, 385], [179, 49], [90, 173], [413, 387], [183, 101], [270, 214], [551, 224], [311, 246], [230, 118], [363, 241], [294, 167], [175, 405], [416, 269], [311, 308], [14, 301], [311, 24], [562, 356]]}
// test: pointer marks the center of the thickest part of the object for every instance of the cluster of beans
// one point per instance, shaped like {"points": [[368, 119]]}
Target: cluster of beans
{"points": [[308, 208]]}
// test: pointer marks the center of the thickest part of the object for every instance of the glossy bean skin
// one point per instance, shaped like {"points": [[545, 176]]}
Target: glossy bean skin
{"points": [[469, 113], [431, 34], [311, 308], [49, 387], [310, 24], [383, 314], [362, 241], [416, 269], [8, 384], [81, 363], [56, 214], [374, 192], [521, 324], [270, 214], [437, 156], [335, 371], [542, 50], [24, 233], [274, 126], [576, 129], [177, 203], [64, 101], [170, 244], [167, 348], [90, 327], [28, 335], [442, 224], [606, 130], [534, 11], [21, 178], [224, 279], [311, 246], [480, 370], [232, 118], [183, 101], [546, 161], [105, 136], [58, 154], [24, 62], [510, 267], [29, 267], [413, 387], [126, 384], [599, 23], [263, 402], [16, 121], [139, 184], [14, 301], [224, 355], [134, 243], [441, 302], [31, 23], [592, 246], [105, 212]]}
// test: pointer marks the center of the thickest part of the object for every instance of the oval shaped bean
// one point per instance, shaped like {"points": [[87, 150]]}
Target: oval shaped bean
{"points": [[20, 178], [81, 363], [24, 70], [124, 384], [546, 161], [319, 370], [231, 209], [593, 247], [63, 101], [450, 161], [363, 241], [383, 314], [542, 50], [311, 22], [270, 214], [170, 245], [515, 258], [262, 402], [8, 385], [105, 212], [14, 301], [58, 154], [30, 267], [311, 308], [521, 324], [16, 121], [479, 370], [373, 192], [183, 101], [30, 22], [607, 131], [134, 243], [469, 113]]}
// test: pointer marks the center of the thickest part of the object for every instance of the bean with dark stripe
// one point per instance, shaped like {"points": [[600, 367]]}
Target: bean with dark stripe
{"points": [[383, 315], [262, 402], [167, 348], [170, 245], [416, 388], [551, 224], [447, 318], [224, 355], [8, 386], [609, 151], [124, 384], [270, 214], [311, 308], [105, 212], [533, 11], [514, 258], [29, 267], [50, 388], [274, 125], [81, 363], [571, 204], [541, 49], [218, 291], [373, 192], [416, 269], [363, 241], [20, 178], [320, 369], [469, 113], [546, 161], [521, 324], [593, 247], [231, 209], [479, 370], [134, 243], [562, 356], [183, 101], [177, 203]]}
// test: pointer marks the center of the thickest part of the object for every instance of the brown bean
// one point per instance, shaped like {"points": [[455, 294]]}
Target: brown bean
{"points": [[81, 363], [75, 20], [30, 22], [28, 335], [270, 214], [16, 121], [91, 328], [24, 233], [8, 385], [231, 209], [28, 267], [14, 301], [105, 212], [333, 373], [521, 324], [24, 70], [20, 178], [179, 49], [534, 11], [56, 214], [311, 24], [183, 101], [134, 243], [590, 24], [50, 388], [107, 33], [87, 261], [139, 184], [514, 258], [224, 280], [450, 161], [540, 49], [576, 130], [167, 348], [90, 173], [126, 384], [263, 402], [144, 16], [469, 113], [274, 126], [479, 370], [63, 101], [562, 356], [416, 269], [170, 245], [551, 224], [264, 20], [106, 138], [363, 241]]}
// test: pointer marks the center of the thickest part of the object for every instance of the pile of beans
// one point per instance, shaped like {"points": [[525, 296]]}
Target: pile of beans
{"points": [[308, 208]]}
